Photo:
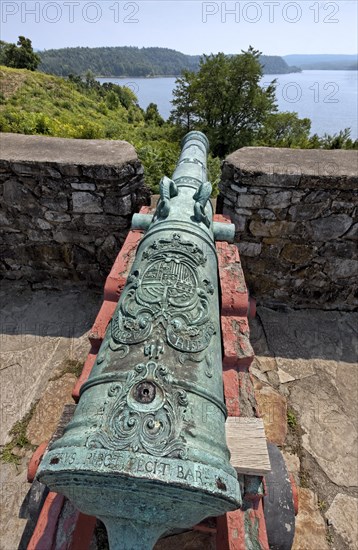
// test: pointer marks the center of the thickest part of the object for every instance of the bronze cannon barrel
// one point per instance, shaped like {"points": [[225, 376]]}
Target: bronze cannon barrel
{"points": [[145, 451]]}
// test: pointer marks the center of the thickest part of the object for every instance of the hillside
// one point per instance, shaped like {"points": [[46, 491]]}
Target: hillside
{"points": [[323, 61], [273, 64], [117, 61], [135, 62], [37, 103]]}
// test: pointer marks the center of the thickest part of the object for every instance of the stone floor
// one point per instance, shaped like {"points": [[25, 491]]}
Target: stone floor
{"points": [[306, 362], [43, 334], [305, 375]]}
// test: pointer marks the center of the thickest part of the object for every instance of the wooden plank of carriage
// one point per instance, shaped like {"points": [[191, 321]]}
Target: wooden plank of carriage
{"points": [[246, 440]]}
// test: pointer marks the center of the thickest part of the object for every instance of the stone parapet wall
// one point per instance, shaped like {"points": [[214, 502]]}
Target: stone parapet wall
{"points": [[295, 213], [66, 207]]}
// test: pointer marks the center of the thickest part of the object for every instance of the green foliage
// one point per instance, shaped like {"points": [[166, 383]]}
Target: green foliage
{"points": [[284, 130], [322, 505], [214, 174], [69, 366], [183, 113], [18, 439], [291, 420], [342, 140], [152, 115], [20, 55], [112, 100], [159, 159], [304, 479], [225, 100]]}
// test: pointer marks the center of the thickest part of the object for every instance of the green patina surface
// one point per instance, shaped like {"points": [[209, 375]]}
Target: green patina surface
{"points": [[146, 450]]}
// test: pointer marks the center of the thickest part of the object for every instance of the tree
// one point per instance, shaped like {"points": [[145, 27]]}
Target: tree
{"points": [[284, 130], [183, 102], [112, 100], [225, 100], [152, 115], [20, 55]]}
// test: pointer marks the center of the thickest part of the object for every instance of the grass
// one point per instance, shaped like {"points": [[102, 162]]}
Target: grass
{"points": [[69, 366], [304, 479], [329, 538], [18, 431], [19, 439], [292, 420], [322, 505]]}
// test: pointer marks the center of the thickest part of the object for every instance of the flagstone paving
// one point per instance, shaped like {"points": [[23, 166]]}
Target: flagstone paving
{"points": [[42, 334], [310, 358]]}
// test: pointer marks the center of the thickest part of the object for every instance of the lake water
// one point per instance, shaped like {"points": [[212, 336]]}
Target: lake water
{"points": [[328, 98]]}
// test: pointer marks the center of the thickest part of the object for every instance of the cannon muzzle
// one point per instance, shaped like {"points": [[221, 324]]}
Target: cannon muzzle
{"points": [[145, 451]]}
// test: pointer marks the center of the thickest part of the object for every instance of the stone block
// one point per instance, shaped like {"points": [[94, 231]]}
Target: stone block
{"points": [[339, 249], [43, 224], [319, 196], [59, 203], [243, 211], [273, 410], [86, 203], [330, 227], [105, 221], [301, 212], [340, 268], [83, 186], [343, 207], [266, 214], [281, 199], [108, 249], [249, 249], [121, 206], [343, 514], [14, 193], [249, 201], [352, 233], [271, 228], [69, 170], [310, 528], [234, 294], [297, 254], [38, 236], [50, 171], [25, 169], [237, 350], [238, 220], [57, 217]]}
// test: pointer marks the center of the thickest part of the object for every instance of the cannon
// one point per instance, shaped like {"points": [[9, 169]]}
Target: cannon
{"points": [[145, 451]]}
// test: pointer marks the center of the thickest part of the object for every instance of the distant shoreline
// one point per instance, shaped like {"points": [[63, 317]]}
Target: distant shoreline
{"points": [[178, 76], [122, 77]]}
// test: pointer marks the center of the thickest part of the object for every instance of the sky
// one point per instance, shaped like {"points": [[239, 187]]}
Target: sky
{"points": [[274, 27]]}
